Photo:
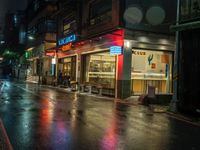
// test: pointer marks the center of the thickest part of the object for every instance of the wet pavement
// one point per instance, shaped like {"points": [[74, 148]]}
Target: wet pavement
{"points": [[41, 118]]}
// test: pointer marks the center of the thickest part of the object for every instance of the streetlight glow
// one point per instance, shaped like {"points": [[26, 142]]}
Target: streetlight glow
{"points": [[31, 38]]}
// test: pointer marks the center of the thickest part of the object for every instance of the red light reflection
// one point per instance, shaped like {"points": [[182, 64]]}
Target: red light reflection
{"points": [[110, 139]]}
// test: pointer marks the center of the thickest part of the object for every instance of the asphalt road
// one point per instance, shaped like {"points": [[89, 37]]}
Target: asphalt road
{"points": [[41, 118]]}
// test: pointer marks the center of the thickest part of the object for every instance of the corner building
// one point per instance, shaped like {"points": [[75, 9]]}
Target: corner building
{"points": [[123, 47]]}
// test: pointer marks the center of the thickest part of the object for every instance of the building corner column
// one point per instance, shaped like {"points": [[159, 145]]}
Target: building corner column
{"points": [[123, 74], [174, 101]]}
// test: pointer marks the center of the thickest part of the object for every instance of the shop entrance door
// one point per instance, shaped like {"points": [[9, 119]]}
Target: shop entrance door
{"points": [[69, 67]]}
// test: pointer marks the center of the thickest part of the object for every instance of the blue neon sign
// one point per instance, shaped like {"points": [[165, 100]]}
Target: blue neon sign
{"points": [[115, 50], [67, 40]]}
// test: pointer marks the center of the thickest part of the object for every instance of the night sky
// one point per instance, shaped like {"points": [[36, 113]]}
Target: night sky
{"points": [[11, 5]]}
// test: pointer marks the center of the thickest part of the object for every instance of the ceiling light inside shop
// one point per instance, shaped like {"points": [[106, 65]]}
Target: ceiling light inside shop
{"points": [[162, 48], [143, 39], [164, 41]]}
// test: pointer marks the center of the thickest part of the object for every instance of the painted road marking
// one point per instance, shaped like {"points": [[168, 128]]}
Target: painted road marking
{"points": [[5, 136]]}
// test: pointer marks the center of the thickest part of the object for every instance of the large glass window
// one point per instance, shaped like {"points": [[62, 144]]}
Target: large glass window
{"points": [[46, 26], [100, 69], [190, 9], [69, 25], [51, 25], [151, 68], [68, 67]]}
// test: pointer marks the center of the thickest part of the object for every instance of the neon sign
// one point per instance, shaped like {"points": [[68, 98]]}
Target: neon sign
{"points": [[50, 53], [66, 47], [115, 50], [67, 40]]}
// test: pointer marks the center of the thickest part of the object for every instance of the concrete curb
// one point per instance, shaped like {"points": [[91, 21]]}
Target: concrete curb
{"points": [[183, 118]]}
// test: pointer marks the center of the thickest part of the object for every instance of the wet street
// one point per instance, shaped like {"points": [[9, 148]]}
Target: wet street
{"points": [[41, 118]]}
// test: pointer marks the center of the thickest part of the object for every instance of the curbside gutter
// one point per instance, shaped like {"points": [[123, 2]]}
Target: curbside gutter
{"points": [[183, 118]]}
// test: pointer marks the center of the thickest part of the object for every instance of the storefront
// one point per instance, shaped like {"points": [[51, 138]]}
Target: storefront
{"points": [[67, 59], [151, 68], [67, 66], [100, 71]]}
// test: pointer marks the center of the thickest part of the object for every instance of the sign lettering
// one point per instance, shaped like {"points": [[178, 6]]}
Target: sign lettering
{"points": [[67, 40], [115, 50]]}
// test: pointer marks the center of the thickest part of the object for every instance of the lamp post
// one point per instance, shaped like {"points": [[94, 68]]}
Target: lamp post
{"points": [[40, 67]]}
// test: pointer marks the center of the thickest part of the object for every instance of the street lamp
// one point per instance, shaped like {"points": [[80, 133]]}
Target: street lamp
{"points": [[30, 37], [40, 66]]}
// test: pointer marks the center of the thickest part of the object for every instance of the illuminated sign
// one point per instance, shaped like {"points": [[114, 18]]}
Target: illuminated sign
{"points": [[66, 47], [50, 53], [139, 53], [66, 60], [67, 40], [115, 50], [26, 55]]}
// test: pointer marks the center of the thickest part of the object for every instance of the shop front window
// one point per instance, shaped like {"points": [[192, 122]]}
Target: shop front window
{"points": [[100, 69], [151, 68], [68, 67]]}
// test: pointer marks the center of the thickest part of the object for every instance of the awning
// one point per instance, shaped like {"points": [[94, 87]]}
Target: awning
{"points": [[185, 26]]}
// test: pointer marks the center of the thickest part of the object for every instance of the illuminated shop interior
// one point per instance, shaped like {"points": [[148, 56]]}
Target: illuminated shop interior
{"points": [[151, 68], [68, 67], [100, 69]]}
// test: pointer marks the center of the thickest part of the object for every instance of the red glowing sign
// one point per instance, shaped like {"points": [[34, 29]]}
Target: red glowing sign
{"points": [[50, 53], [66, 47]]}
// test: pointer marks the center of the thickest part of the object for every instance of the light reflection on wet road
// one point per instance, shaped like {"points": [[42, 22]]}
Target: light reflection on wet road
{"points": [[41, 118]]}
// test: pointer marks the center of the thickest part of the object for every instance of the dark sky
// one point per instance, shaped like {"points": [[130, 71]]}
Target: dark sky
{"points": [[10, 5]]}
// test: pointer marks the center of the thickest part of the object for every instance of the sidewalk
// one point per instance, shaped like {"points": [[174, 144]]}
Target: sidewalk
{"points": [[166, 109]]}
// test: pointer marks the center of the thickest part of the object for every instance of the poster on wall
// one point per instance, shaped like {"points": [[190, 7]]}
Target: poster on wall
{"points": [[139, 61]]}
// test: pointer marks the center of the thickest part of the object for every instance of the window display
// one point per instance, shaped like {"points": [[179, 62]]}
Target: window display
{"points": [[151, 68], [100, 69], [68, 67]]}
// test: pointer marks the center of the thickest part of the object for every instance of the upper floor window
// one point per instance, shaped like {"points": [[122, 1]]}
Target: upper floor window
{"points": [[36, 5], [99, 11], [190, 9], [51, 25], [43, 26], [69, 25]]}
